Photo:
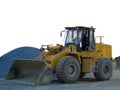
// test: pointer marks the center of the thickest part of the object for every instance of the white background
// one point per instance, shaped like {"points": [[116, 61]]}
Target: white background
{"points": [[37, 22]]}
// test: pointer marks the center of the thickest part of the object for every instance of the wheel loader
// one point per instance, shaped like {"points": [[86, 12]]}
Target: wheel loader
{"points": [[79, 55]]}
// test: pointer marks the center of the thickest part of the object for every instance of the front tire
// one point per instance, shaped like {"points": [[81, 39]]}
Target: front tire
{"points": [[104, 69], [68, 69]]}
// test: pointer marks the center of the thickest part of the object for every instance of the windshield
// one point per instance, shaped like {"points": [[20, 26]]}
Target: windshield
{"points": [[73, 36]]}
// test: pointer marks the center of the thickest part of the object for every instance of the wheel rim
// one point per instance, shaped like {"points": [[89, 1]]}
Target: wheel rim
{"points": [[71, 70], [106, 69]]}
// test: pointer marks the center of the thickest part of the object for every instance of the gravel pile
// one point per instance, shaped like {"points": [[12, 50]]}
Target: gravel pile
{"points": [[117, 62]]}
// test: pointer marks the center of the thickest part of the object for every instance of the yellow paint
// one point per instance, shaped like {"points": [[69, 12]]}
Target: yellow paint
{"points": [[106, 50], [88, 59], [88, 65]]}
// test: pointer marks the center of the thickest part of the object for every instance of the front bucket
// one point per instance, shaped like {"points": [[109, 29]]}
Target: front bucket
{"points": [[29, 72]]}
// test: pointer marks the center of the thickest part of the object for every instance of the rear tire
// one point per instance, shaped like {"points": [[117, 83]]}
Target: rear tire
{"points": [[68, 69], [104, 69]]}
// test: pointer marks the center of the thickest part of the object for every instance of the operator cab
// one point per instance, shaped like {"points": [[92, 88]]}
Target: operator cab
{"points": [[81, 36]]}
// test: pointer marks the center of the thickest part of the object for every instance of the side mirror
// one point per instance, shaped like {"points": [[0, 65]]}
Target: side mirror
{"points": [[61, 34]]}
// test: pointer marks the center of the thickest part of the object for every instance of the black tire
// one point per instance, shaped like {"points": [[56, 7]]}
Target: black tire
{"points": [[68, 69], [104, 69]]}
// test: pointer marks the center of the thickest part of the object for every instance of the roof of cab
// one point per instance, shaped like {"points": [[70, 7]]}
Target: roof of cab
{"points": [[78, 27]]}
